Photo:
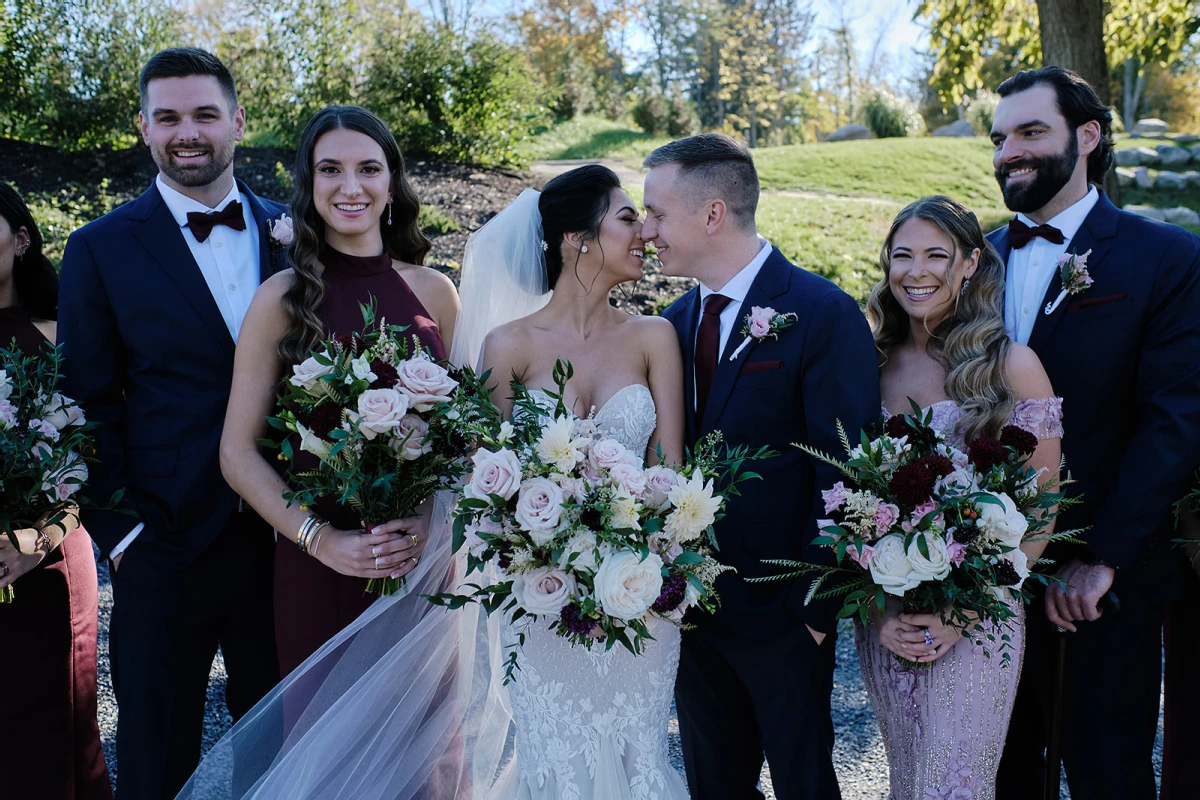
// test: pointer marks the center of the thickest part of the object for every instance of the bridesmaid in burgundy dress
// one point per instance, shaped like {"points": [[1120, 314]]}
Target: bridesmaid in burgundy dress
{"points": [[356, 239], [51, 748]]}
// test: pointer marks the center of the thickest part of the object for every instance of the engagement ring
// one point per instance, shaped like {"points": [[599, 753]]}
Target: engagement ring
{"points": [[928, 637]]}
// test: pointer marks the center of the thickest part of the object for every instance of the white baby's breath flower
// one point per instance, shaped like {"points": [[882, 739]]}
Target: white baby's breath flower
{"points": [[558, 446], [695, 508]]}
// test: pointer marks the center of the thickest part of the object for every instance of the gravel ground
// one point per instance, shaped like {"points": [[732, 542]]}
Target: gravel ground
{"points": [[858, 755]]}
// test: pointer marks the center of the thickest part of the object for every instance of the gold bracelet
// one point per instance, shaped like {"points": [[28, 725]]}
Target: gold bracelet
{"points": [[304, 535]]}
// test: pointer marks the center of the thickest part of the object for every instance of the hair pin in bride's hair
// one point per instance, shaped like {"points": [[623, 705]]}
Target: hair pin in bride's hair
{"points": [[545, 246]]}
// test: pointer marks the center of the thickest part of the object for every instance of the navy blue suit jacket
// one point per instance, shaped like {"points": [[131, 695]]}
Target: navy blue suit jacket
{"points": [[148, 356], [1125, 357], [779, 391]]}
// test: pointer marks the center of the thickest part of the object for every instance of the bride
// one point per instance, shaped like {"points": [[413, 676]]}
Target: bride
{"points": [[408, 701]]}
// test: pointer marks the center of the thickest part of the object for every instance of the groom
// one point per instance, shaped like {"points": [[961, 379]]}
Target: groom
{"points": [[1124, 354], [153, 295], [756, 677]]}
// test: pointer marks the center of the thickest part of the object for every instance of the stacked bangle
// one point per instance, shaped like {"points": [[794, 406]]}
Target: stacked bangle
{"points": [[308, 530]]}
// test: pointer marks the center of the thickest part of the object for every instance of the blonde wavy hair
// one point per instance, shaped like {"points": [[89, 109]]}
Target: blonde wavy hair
{"points": [[971, 343]]}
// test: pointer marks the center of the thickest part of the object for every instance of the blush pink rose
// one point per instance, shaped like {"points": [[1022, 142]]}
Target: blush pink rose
{"points": [[539, 508], [863, 559], [958, 553], [760, 321], [629, 478], [885, 517], [608, 453], [415, 429], [496, 473], [834, 498], [380, 411], [425, 383], [283, 231], [659, 483]]}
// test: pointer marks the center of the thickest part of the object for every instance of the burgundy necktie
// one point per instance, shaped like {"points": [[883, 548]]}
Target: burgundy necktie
{"points": [[708, 345], [1021, 234], [202, 223]]}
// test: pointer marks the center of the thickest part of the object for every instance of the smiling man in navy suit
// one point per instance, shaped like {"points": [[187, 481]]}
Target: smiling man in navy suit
{"points": [[153, 295], [756, 677], [1124, 354]]}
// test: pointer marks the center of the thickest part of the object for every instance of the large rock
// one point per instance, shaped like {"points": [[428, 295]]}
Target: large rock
{"points": [[1181, 216], [1146, 156], [1170, 180], [1171, 156], [1192, 176], [1126, 176], [1143, 178], [1150, 127], [1184, 139], [1128, 158], [848, 133], [957, 128], [1196, 153], [1150, 212]]}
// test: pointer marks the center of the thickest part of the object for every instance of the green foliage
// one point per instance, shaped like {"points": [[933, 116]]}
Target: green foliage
{"points": [[890, 117], [457, 99], [656, 113], [591, 138], [433, 220], [62, 212], [981, 109]]}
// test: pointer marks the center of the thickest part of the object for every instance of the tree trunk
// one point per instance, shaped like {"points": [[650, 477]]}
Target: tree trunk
{"points": [[1072, 34]]}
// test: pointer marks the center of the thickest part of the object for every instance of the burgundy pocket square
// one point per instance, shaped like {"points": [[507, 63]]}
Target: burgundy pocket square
{"points": [[1090, 302], [751, 367]]}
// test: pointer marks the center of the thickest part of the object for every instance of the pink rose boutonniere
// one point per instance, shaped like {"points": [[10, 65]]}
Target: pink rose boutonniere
{"points": [[282, 231], [763, 323], [1072, 269]]}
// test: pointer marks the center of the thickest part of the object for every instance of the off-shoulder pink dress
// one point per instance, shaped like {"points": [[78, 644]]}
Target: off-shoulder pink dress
{"points": [[944, 725]]}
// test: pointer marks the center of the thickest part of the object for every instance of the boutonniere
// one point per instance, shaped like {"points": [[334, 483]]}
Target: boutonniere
{"points": [[281, 230], [1072, 269], [763, 323]]}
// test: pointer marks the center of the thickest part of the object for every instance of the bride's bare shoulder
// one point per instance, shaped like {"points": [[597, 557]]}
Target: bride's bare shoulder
{"points": [[654, 331]]}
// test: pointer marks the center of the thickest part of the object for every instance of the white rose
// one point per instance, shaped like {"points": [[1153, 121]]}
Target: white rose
{"points": [[659, 483], [544, 590], [890, 567], [961, 481], [307, 373], [937, 566], [583, 547], [361, 368], [5, 385], [630, 478], [608, 453], [380, 411], [425, 382], [495, 473], [539, 508], [61, 412], [625, 512], [1003, 524], [411, 432], [626, 585]]}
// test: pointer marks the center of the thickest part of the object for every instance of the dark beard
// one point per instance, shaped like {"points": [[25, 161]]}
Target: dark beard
{"points": [[1053, 173], [221, 158]]}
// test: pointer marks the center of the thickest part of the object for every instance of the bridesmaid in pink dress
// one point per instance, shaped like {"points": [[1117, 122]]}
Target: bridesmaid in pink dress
{"points": [[938, 320]]}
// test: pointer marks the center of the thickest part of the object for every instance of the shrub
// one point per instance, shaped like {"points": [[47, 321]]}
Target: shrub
{"points": [[981, 109], [889, 116], [656, 113]]}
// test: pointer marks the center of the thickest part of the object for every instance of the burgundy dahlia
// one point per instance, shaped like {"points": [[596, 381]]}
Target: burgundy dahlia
{"points": [[323, 418], [1006, 573], [985, 453], [574, 621], [897, 426], [673, 590], [348, 343], [967, 533], [385, 375], [912, 485], [938, 465], [1018, 439]]}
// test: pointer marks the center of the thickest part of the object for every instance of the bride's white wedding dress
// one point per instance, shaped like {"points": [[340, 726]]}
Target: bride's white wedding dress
{"points": [[591, 724]]}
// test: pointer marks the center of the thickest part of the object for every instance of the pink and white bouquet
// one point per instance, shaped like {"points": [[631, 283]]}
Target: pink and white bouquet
{"points": [[377, 413], [563, 524], [44, 440], [935, 525]]}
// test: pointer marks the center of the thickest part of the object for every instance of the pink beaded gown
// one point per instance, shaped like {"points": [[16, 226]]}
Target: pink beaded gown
{"points": [[944, 725]]}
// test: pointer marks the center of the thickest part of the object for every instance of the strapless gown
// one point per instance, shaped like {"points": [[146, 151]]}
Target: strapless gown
{"points": [[944, 725], [591, 724]]}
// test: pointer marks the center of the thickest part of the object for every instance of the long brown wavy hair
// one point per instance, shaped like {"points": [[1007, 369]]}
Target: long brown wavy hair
{"points": [[971, 343], [402, 239]]}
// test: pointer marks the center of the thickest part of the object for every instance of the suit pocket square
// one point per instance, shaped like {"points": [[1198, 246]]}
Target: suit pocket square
{"points": [[1092, 302], [751, 367]]}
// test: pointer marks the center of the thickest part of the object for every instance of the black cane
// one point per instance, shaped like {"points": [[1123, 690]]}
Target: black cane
{"points": [[1109, 604]]}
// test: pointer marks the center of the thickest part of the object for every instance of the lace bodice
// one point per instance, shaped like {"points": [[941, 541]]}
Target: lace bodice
{"points": [[1041, 416], [628, 416]]}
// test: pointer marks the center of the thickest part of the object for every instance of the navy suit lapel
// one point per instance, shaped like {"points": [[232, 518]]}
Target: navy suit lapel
{"points": [[266, 265], [163, 240], [685, 321], [772, 280], [1098, 228]]}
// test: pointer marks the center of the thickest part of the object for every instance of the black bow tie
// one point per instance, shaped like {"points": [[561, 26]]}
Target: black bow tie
{"points": [[1021, 234], [202, 223]]}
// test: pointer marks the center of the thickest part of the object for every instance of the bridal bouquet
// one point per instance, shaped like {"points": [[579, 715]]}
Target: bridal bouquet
{"points": [[378, 414], [44, 438], [562, 524], [932, 524]]}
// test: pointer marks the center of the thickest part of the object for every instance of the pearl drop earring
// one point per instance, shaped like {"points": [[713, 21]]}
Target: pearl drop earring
{"points": [[583, 249]]}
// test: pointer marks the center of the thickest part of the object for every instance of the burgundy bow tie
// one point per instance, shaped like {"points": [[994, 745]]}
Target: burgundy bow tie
{"points": [[1021, 234], [202, 223]]}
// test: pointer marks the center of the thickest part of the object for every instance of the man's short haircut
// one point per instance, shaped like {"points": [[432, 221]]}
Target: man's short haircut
{"points": [[1078, 103], [184, 62], [719, 165]]}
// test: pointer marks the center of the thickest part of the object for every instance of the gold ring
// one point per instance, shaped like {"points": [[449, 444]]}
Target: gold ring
{"points": [[416, 560], [414, 538]]}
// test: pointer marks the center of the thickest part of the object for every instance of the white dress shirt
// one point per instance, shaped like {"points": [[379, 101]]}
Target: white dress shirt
{"points": [[227, 259], [1032, 267], [736, 290]]}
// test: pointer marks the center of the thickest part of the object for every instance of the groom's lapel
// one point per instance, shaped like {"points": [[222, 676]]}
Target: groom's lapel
{"points": [[163, 239], [685, 321], [772, 280], [266, 266]]}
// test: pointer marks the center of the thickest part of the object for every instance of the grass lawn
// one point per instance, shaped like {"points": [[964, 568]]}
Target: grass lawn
{"points": [[591, 137]]}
